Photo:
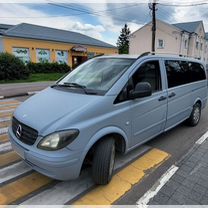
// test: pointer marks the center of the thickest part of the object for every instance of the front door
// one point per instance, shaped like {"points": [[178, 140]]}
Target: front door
{"points": [[149, 113], [77, 60]]}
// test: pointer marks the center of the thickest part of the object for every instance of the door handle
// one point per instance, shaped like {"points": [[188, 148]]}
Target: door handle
{"points": [[162, 98], [172, 95]]}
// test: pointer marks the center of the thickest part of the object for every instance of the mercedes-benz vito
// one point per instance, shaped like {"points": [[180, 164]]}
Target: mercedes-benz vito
{"points": [[108, 104]]}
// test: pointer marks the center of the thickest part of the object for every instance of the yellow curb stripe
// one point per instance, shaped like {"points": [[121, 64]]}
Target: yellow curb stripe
{"points": [[8, 158], [8, 107], [5, 124], [4, 138], [14, 191], [15, 102], [5, 114], [124, 180]]}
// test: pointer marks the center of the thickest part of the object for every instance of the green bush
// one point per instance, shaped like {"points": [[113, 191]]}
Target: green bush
{"points": [[48, 68], [12, 68]]}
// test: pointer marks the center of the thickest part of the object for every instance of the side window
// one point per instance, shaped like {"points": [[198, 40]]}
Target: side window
{"points": [[197, 71], [148, 72], [177, 73]]}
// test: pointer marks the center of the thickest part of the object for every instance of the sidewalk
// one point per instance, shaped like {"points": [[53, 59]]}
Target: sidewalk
{"points": [[189, 185], [20, 89]]}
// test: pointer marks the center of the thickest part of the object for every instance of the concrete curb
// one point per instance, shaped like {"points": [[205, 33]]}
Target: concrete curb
{"points": [[19, 95]]}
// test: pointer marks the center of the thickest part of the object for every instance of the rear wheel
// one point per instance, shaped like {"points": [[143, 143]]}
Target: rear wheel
{"points": [[103, 161], [195, 116]]}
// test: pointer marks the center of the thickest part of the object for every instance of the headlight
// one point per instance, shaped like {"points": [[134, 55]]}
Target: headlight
{"points": [[58, 140]]}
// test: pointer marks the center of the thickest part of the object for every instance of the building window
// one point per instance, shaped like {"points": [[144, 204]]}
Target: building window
{"points": [[90, 55], [186, 44], [62, 57], [201, 46], [43, 55], [22, 53], [161, 43], [197, 45]]}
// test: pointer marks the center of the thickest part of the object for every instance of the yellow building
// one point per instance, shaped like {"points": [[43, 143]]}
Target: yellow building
{"points": [[33, 43]]}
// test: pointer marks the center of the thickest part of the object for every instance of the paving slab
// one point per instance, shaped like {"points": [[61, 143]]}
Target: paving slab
{"points": [[189, 185]]}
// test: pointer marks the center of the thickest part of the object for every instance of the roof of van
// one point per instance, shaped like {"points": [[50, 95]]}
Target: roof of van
{"points": [[150, 56]]}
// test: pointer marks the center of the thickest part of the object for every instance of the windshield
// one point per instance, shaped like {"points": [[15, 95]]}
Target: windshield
{"points": [[98, 74]]}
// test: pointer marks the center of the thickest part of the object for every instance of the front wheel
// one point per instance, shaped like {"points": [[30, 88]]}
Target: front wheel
{"points": [[103, 161], [195, 116]]}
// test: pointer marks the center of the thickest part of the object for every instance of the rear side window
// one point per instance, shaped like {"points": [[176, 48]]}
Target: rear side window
{"points": [[148, 72], [198, 71], [183, 72], [177, 73]]}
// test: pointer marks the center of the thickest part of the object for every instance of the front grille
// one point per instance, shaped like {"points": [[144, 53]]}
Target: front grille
{"points": [[28, 135]]}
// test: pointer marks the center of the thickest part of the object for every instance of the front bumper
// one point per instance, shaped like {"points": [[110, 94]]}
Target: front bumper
{"points": [[61, 165]]}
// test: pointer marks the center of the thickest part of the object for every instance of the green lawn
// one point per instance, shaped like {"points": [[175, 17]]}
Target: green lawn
{"points": [[38, 77]]}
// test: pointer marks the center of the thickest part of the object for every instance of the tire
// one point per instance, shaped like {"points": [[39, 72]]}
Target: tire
{"points": [[103, 161], [195, 116]]}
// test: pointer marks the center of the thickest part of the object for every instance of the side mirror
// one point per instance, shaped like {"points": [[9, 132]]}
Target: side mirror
{"points": [[142, 89]]}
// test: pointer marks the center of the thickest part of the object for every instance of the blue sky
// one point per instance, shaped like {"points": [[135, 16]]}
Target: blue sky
{"points": [[102, 21]]}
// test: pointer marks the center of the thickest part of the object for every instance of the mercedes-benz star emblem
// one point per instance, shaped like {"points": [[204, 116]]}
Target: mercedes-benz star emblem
{"points": [[19, 131]]}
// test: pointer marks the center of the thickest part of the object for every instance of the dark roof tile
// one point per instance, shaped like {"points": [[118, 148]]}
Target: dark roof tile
{"points": [[188, 26], [25, 30]]}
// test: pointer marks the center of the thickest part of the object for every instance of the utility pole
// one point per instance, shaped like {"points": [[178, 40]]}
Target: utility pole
{"points": [[152, 7]]}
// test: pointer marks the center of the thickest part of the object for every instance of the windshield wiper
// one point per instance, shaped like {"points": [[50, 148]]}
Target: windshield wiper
{"points": [[75, 85]]}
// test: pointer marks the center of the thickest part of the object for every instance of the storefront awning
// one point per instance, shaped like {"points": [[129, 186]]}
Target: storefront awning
{"points": [[79, 48]]}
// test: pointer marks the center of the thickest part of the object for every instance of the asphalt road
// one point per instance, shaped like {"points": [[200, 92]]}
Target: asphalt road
{"points": [[175, 143], [10, 90]]}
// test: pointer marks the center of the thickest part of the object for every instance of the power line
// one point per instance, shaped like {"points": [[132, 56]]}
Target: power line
{"points": [[83, 12], [96, 13], [184, 5]]}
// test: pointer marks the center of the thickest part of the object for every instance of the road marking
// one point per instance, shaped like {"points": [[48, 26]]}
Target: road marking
{"points": [[14, 191], [8, 158], [6, 114], [144, 200], [4, 138], [9, 102], [66, 191], [202, 138], [7, 111], [9, 105], [3, 130], [5, 119], [5, 124], [5, 147], [124, 179], [33, 92], [2, 108], [13, 171]]}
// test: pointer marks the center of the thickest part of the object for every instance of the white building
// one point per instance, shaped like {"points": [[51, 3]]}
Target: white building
{"points": [[187, 39]]}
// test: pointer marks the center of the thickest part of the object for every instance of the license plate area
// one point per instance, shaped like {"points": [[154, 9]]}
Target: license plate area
{"points": [[19, 151]]}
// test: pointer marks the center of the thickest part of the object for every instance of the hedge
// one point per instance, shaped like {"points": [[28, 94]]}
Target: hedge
{"points": [[12, 68], [48, 68]]}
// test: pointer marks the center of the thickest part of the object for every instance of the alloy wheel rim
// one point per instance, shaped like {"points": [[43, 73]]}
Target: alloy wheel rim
{"points": [[196, 115]]}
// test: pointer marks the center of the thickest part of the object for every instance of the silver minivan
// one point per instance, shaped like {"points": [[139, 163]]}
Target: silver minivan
{"points": [[107, 105]]}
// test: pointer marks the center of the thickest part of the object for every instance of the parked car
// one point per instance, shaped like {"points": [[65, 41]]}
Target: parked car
{"points": [[107, 105]]}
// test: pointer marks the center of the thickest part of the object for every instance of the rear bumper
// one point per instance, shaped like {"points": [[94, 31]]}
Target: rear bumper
{"points": [[55, 165]]}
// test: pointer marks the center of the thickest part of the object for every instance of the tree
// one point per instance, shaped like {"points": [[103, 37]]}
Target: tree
{"points": [[123, 40]]}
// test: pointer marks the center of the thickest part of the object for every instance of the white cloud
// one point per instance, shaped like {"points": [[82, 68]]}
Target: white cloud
{"points": [[134, 26], [190, 14], [12, 14]]}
